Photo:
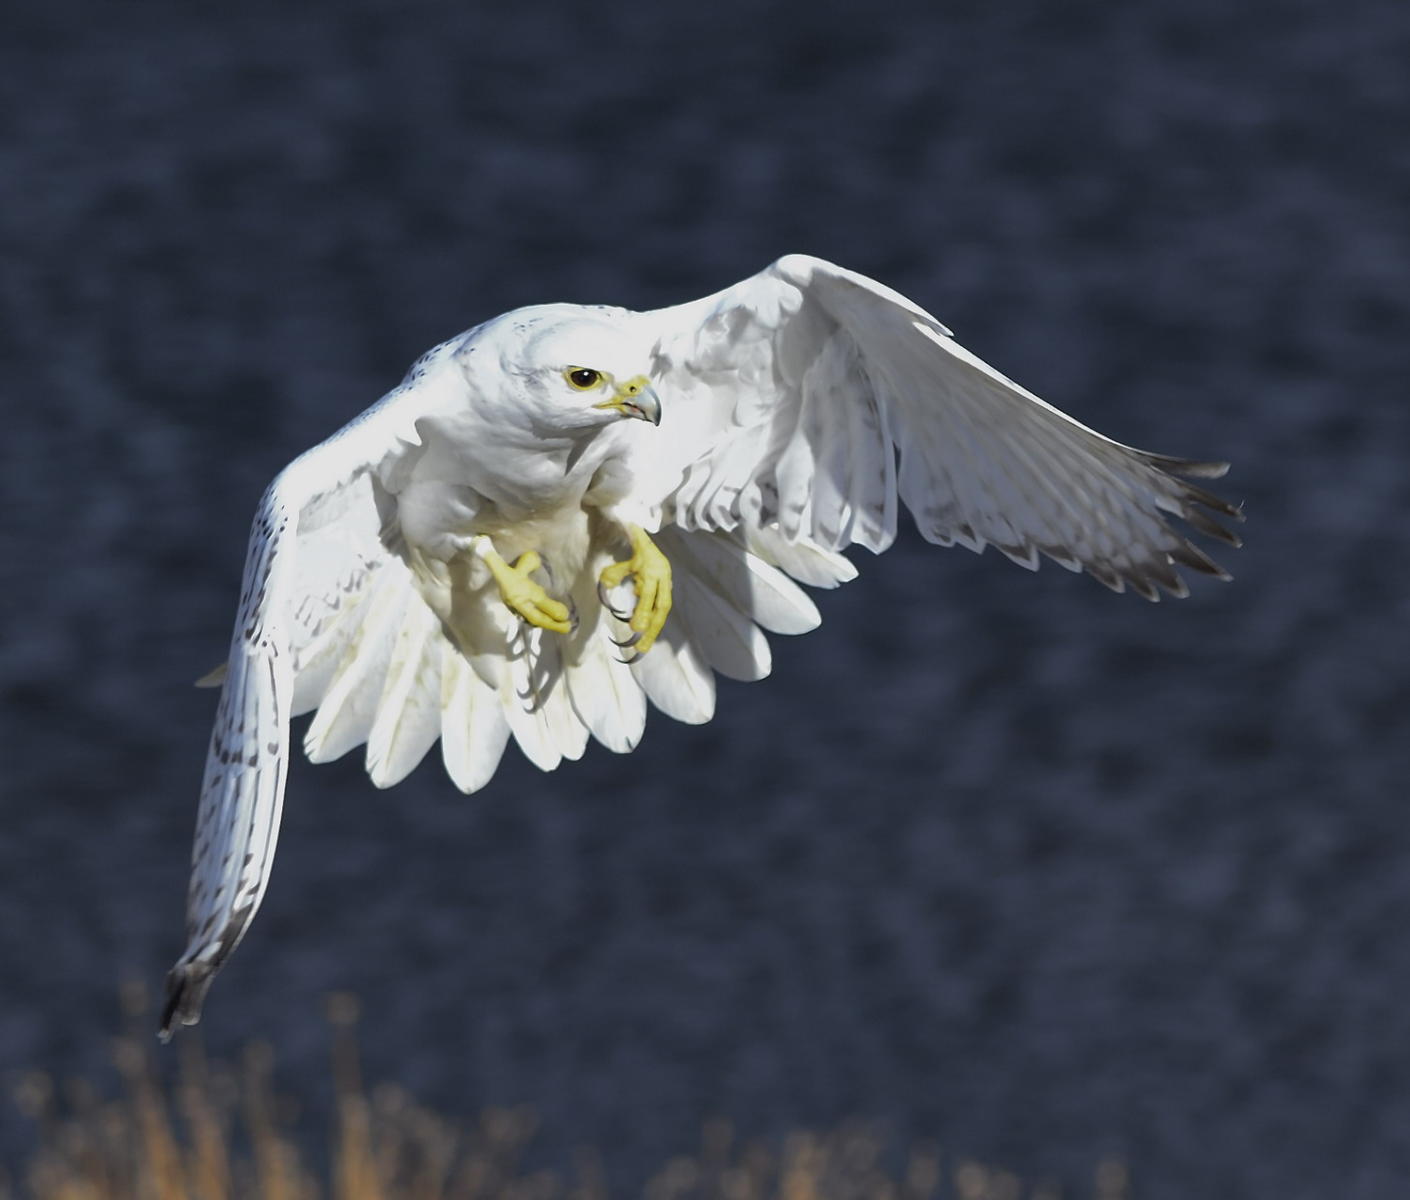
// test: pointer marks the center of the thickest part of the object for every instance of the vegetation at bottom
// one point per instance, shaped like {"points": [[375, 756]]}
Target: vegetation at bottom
{"points": [[221, 1134]]}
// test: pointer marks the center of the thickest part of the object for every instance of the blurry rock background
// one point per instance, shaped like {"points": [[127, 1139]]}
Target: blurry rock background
{"points": [[999, 858]]}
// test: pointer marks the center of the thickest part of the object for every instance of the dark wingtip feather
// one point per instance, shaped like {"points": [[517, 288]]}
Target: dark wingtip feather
{"points": [[186, 987], [1208, 526], [1192, 502], [1106, 576], [1188, 555], [1143, 587], [1214, 503], [1191, 468], [1165, 576]]}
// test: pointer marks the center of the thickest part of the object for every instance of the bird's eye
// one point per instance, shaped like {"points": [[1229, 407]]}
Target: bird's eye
{"points": [[583, 378]]}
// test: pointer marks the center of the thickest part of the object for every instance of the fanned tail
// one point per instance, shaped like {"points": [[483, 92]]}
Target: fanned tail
{"points": [[388, 675]]}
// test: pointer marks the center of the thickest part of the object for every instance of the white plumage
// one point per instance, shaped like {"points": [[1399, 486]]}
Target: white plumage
{"points": [[796, 411]]}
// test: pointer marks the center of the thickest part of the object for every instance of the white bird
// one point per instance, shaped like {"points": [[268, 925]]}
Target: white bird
{"points": [[499, 548]]}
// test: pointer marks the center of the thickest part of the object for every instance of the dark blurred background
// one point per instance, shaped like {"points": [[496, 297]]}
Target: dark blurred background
{"points": [[1004, 860]]}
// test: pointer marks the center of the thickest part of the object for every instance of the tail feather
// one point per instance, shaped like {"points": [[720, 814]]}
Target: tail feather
{"points": [[386, 672], [673, 675], [804, 560], [536, 703], [555, 706], [349, 707], [474, 731], [723, 636], [754, 587], [606, 696], [408, 719]]}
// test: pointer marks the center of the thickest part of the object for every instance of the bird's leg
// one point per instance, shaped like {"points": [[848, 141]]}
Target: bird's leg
{"points": [[522, 594], [650, 572]]}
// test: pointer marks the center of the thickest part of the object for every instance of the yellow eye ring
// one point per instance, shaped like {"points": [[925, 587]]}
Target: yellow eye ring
{"points": [[584, 379]]}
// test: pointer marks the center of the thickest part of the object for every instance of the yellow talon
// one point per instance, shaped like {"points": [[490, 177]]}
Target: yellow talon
{"points": [[650, 572], [525, 597]]}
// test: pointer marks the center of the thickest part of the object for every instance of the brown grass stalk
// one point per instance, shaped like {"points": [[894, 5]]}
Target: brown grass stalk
{"points": [[213, 1135]]}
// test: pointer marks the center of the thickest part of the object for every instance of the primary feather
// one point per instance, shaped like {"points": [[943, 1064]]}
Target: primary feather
{"points": [[798, 410]]}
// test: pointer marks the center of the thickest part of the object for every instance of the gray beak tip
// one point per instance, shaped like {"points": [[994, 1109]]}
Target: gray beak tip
{"points": [[647, 405]]}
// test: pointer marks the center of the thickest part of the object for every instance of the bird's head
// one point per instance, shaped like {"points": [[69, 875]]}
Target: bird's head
{"points": [[571, 370]]}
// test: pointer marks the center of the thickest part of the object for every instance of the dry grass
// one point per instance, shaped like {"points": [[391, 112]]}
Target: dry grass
{"points": [[217, 1134]]}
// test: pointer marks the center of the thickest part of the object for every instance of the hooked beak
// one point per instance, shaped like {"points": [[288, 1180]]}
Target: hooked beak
{"points": [[635, 398]]}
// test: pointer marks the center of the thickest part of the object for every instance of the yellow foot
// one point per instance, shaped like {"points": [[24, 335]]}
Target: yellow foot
{"points": [[523, 595], [650, 572]]}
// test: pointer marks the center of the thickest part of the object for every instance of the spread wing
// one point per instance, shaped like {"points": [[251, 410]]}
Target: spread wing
{"points": [[314, 546], [823, 397]]}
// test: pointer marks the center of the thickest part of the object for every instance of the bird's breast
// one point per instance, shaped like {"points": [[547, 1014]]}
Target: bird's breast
{"points": [[539, 493]]}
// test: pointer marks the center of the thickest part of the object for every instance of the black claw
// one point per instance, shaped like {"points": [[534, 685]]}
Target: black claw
{"points": [[628, 661], [572, 616], [629, 643], [623, 616]]}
